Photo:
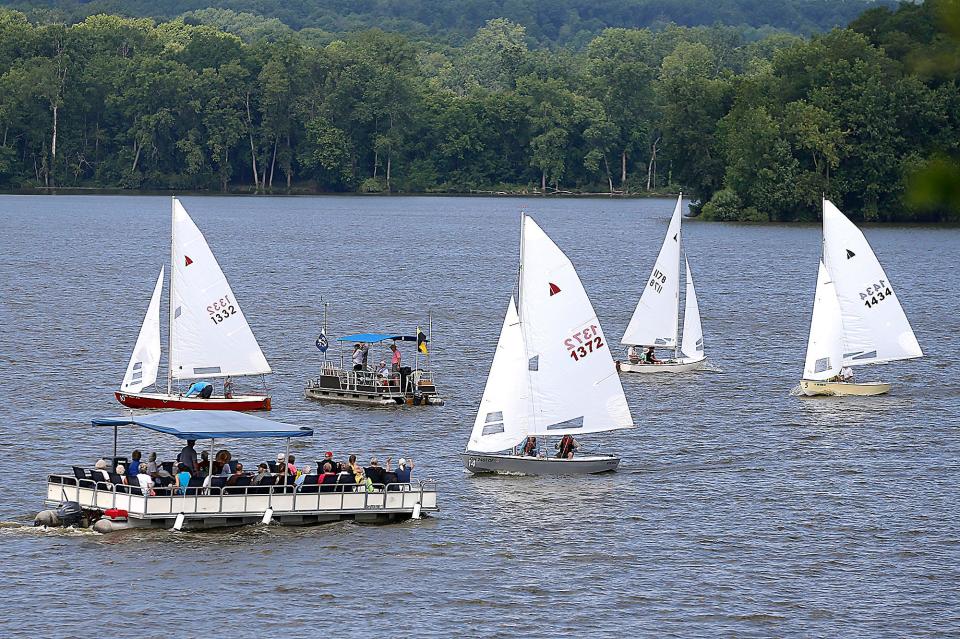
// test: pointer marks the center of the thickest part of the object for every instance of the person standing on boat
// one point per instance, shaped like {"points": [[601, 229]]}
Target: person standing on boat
{"points": [[357, 358], [365, 349], [228, 388], [188, 456], [404, 470], [395, 359]]}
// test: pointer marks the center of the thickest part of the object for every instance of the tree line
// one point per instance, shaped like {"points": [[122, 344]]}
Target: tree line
{"points": [[750, 129]]}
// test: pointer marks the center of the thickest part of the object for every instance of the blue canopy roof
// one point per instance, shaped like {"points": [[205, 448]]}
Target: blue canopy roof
{"points": [[373, 338], [208, 424]]}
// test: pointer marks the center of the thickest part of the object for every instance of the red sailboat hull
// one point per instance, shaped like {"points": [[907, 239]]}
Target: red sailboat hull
{"points": [[164, 401]]}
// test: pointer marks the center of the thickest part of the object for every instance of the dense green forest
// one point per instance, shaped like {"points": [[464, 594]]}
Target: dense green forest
{"points": [[568, 22], [751, 129]]}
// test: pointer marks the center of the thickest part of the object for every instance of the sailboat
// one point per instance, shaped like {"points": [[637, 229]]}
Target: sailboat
{"points": [[655, 322], [857, 319], [208, 335], [552, 374]]}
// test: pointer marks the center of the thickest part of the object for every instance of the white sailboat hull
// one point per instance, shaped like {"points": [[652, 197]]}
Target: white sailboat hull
{"points": [[669, 366], [813, 388], [484, 463]]}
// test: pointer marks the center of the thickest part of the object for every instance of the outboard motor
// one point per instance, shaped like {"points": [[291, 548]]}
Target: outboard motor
{"points": [[69, 513]]}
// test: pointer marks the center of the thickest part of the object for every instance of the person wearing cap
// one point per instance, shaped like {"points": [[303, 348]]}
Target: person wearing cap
{"points": [[328, 459], [404, 470]]}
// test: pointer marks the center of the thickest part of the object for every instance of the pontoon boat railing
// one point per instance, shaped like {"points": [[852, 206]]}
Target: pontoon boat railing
{"points": [[351, 380], [300, 501]]}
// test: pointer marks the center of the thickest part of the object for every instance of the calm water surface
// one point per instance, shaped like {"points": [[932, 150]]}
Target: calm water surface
{"points": [[738, 510]]}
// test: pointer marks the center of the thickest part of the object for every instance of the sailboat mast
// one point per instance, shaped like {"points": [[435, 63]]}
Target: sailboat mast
{"points": [[173, 201], [523, 215], [676, 331]]}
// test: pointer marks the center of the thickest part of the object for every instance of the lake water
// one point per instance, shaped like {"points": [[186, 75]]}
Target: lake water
{"points": [[738, 510]]}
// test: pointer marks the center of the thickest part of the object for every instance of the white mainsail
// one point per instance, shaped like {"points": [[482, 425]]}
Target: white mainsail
{"points": [[692, 344], [209, 336], [504, 414], [654, 322], [574, 385], [825, 344], [145, 359], [875, 328]]}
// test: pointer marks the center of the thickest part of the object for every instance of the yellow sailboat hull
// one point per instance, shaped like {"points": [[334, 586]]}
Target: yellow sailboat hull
{"points": [[841, 389]]}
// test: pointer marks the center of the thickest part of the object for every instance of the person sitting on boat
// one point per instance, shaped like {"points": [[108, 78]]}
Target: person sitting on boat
{"points": [[134, 468], [328, 459], [225, 464], [188, 455], [530, 447], [262, 471], [182, 479], [101, 469], [357, 358], [846, 375], [302, 477], [632, 356], [382, 369], [346, 477], [228, 388], [404, 470], [649, 357], [203, 390], [567, 446], [201, 468], [144, 480], [395, 359], [237, 474], [152, 466], [122, 471], [291, 466], [375, 471]]}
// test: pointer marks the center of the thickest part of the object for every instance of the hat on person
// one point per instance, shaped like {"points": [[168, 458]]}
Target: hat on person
{"points": [[120, 469], [393, 346], [328, 454], [402, 462], [101, 464], [279, 457]]}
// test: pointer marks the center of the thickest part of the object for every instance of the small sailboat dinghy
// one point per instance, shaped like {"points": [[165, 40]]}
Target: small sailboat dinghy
{"points": [[552, 374], [208, 335], [857, 319], [656, 320]]}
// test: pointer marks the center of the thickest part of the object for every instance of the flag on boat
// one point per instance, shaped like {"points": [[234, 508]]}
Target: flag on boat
{"points": [[421, 341], [322, 343]]}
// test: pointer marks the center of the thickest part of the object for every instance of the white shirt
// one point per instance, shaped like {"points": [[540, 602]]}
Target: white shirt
{"points": [[146, 482]]}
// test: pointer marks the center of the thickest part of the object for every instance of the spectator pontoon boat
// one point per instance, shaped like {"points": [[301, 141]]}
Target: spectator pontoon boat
{"points": [[340, 382], [86, 498]]}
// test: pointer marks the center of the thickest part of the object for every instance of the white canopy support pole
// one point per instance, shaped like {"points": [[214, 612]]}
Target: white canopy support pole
{"points": [[210, 462], [114, 444], [286, 463]]}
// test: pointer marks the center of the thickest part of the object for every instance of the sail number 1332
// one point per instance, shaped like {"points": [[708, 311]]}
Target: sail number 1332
{"points": [[584, 342], [221, 309]]}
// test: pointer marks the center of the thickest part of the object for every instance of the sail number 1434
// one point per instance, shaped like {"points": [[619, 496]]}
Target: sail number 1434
{"points": [[584, 342], [875, 293]]}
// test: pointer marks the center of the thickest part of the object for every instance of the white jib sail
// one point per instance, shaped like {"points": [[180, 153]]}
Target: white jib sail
{"points": [[574, 386], [654, 322], [825, 344], [504, 412], [210, 336], [874, 326], [145, 359], [692, 344]]}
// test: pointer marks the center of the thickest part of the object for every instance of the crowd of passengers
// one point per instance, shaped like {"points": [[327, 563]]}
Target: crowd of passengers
{"points": [[200, 473]]}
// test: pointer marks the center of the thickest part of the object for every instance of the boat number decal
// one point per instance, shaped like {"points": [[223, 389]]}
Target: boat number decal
{"points": [[876, 293], [657, 280], [221, 309], [584, 342]]}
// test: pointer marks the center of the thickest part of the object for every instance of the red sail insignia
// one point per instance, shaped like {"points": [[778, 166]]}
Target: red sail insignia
{"points": [[187, 261], [554, 289]]}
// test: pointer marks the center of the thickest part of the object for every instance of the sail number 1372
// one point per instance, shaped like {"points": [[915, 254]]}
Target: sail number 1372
{"points": [[584, 342]]}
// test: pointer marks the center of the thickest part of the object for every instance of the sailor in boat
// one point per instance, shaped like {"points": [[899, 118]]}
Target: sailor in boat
{"points": [[846, 375], [649, 357], [530, 447], [203, 390], [228, 388], [632, 356], [566, 447]]}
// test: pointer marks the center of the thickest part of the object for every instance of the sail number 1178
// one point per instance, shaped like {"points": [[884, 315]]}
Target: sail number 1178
{"points": [[584, 342]]}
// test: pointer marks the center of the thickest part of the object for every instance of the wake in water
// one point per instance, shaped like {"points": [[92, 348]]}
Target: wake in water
{"points": [[20, 528]]}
